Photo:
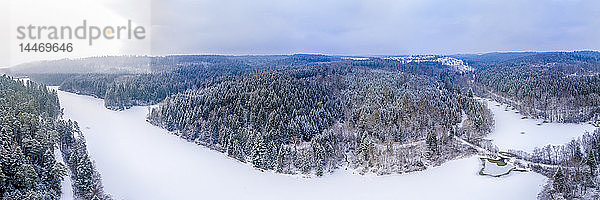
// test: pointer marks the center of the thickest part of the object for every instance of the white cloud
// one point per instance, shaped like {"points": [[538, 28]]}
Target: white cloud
{"points": [[327, 26], [376, 27]]}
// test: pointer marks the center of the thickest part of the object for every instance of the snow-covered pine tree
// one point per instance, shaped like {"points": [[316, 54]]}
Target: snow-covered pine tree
{"points": [[319, 156], [259, 153], [432, 145], [591, 162]]}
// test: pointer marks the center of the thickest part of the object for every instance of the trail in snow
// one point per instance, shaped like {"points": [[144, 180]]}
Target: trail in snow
{"points": [[140, 161], [66, 187]]}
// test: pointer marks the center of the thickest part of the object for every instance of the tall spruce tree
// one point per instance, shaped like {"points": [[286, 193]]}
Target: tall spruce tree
{"points": [[591, 162]]}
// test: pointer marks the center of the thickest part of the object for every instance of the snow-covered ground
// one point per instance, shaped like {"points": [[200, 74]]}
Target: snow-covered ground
{"points": [[66, 186], [494, 169], [513, 132], [140, 161]]}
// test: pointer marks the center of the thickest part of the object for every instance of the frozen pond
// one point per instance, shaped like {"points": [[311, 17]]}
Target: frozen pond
{"points": [[140, 161], [513, 132]]}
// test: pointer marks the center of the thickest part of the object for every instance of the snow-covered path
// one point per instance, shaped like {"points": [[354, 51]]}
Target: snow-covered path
{"points": [[141, 161], [512, 132], [66, 186]]}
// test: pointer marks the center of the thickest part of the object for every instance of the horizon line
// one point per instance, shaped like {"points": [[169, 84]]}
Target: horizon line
{"points": [[298, 53]]}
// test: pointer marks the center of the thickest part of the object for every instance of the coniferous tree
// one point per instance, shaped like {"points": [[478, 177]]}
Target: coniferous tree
{"points": [[259, 153], [559, 181], [591, 162], [432, 144]]}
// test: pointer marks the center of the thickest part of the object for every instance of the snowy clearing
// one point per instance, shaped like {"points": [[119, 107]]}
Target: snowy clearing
{"points": [[141, 161], [513, 132]]}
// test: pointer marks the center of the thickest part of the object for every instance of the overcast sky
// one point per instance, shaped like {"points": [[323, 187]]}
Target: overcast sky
{"points": [[375, 27], [353, 27]]}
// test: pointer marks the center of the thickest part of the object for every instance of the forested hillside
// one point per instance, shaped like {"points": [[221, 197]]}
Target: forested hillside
{"points": [[164, 75], [314, 113], [30, 132], [320, 118], [173, 74], [561, 87]]}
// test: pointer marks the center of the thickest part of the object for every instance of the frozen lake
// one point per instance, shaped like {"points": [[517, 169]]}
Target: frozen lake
{"points": [[513, 132], [140, 161]]}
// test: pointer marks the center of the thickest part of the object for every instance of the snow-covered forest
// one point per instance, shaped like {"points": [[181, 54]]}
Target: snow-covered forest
{"points": [[32, 128], [138, 160], [561, 86], [304, 121], [314, 115]]}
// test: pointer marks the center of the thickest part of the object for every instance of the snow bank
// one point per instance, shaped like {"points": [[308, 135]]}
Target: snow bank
{"points": [[141, 161]]}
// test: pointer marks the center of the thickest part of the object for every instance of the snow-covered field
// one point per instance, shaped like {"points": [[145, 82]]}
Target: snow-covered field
{"points": [[141, 161], [513, 132]]}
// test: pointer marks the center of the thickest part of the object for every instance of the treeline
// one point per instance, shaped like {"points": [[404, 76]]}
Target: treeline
{"points": [[171, 75], [126, 90], [86, 180], [317, 119], [551, 96], [30, 132], [559, 87], [175, 74], [429, 68], [573, 173]]}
